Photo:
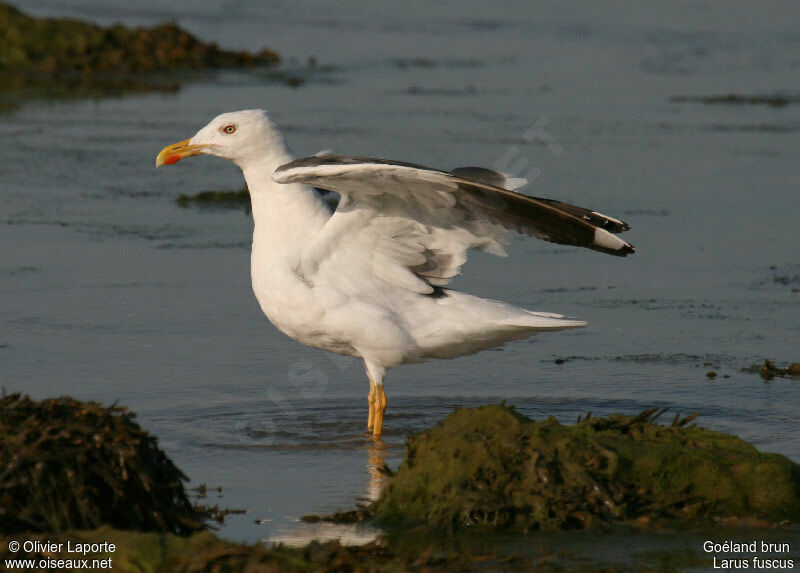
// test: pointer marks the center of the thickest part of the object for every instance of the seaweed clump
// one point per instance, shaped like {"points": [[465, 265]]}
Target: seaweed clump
{"points": [[768, 370], [65, 47], [774, 100], [66, 464], [217, 199], [237, 199], [493, 468]]}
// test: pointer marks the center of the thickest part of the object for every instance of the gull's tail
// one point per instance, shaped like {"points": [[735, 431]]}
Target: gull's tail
{"points": [[465, 324]]}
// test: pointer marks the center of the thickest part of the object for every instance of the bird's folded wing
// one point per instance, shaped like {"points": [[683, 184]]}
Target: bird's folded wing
{"points": [[413, 225]]}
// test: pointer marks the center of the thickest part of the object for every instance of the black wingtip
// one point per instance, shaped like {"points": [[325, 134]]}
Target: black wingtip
{"points": [[626, 250]]}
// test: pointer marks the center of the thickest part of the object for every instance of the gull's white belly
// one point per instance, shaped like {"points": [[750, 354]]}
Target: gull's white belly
{"points": [[325, 318]]}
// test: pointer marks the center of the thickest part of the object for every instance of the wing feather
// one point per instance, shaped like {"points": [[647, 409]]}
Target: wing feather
{"points": [[412, 226]]}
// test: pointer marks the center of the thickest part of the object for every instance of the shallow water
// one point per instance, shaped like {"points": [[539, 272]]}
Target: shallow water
{"points": [[112, 292]]}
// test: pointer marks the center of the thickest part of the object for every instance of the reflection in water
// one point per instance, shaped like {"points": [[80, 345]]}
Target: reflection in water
{"points": [[345, 533], [375, 466], [20, 89], [322, 531]]}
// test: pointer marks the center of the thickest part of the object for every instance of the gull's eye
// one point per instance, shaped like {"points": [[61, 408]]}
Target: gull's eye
{"points": [[229, 129]]}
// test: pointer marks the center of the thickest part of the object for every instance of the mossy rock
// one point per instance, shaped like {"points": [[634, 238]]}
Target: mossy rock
{"points": [[69, 47], [491, 467], [66, 464]]}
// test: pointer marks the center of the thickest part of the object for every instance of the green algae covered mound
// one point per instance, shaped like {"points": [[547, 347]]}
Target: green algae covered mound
{"points": [[68, 47], [493, 468], [66, 464]]}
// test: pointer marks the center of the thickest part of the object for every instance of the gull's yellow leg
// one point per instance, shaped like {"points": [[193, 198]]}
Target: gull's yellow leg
{"points": [[380, 408], [371, 401]]}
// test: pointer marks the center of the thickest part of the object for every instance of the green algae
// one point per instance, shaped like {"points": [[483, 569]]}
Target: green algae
{"points": [[67, 464], [68, 47], [64, 58], [492, 468]]}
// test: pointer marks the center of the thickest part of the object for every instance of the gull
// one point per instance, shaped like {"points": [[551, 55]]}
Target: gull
{"points": [[368, 280]]}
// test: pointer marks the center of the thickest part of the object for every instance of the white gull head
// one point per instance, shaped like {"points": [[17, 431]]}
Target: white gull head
{"points": [[242, 137]]}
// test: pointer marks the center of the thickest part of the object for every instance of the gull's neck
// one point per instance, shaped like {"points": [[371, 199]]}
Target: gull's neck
{"points": [[285, 217]]}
